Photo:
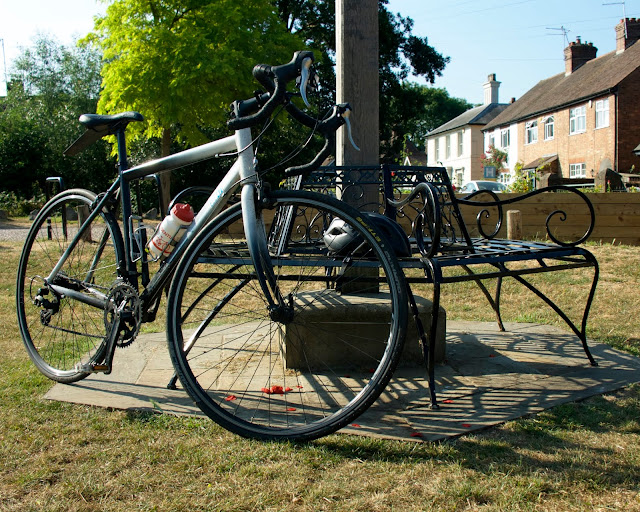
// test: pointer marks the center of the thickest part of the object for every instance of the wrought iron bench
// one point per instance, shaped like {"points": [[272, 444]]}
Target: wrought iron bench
{"points": [[443, 249]]}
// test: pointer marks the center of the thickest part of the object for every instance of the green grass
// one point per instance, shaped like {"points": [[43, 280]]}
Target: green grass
{"points": [[578, 456]]}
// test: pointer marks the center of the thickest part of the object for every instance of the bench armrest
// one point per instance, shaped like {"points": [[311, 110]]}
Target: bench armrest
{"points": [[555, 214], [428, 218]]}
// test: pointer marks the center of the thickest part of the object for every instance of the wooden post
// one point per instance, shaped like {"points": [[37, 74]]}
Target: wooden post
{"points": [[357, 84], [514, 225], [83, 214]]}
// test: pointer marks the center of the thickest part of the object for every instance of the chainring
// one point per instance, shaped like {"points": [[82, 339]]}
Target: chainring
{"points": [[123, 297]]}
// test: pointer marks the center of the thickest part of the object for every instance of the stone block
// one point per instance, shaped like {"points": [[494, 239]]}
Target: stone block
{"points": [[360, 316]]}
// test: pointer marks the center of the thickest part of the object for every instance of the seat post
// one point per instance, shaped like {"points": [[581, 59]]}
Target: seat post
{"points": [[121, 140]]}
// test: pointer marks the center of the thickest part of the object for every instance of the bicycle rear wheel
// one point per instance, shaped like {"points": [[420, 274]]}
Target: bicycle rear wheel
{"points": [[265, 374], [60, 332]]}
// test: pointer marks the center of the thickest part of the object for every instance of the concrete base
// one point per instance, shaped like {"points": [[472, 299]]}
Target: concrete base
{"points": [[490, 377], [362, 317]]}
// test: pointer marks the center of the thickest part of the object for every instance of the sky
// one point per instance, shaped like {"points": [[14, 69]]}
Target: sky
{"points": [[521, 41]]}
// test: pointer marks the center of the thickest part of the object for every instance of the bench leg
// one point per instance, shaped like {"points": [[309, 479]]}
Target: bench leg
{"points": [[581, 333], [428, 348]]}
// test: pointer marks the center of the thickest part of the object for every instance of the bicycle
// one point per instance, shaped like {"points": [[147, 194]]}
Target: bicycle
{"points": [[241, 281]]}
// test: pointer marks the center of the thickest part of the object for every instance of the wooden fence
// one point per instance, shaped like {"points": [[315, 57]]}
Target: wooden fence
{"points": [[617, 216]]}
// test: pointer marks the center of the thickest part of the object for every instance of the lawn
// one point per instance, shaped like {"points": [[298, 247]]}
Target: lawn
{"points": [[579, 456]]}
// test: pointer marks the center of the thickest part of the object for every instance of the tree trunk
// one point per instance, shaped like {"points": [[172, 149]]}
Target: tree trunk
{"points": [[165, 177]]}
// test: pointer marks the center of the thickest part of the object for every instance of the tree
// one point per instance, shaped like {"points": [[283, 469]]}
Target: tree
{"points": [[418, 109], [51, 85], [401, 54], [180, 63]]}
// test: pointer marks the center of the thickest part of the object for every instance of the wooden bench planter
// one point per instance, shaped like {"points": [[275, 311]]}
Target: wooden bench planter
{"points": [[422, 201]]}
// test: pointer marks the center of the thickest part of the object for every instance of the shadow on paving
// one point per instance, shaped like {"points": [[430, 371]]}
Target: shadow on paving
{"points": [[489, 377]]}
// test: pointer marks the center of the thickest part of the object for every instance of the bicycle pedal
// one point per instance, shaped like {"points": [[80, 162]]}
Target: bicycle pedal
{"points": [[93, 368]]}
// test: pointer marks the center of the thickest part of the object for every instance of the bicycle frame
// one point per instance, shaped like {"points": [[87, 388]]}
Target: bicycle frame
{"points": [[242, 173]]}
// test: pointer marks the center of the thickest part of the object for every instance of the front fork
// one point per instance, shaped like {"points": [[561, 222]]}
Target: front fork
{"points": [[280, 309]]}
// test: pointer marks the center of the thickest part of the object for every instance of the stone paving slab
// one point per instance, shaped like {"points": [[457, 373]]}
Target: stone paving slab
{"points": [[489, 377]]}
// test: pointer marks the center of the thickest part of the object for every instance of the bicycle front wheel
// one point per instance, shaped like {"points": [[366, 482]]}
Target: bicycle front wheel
{"points": [[60, 332], [307, 367]]}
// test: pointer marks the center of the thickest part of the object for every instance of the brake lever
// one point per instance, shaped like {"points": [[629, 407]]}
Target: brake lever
{"points": [[304, 79], [345, 116]]}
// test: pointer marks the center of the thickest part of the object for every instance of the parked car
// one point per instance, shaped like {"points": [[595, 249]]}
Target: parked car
{"points": [[474, 186]]}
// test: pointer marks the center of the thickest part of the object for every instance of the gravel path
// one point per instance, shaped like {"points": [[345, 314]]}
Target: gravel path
{"points": [[11, 231]]}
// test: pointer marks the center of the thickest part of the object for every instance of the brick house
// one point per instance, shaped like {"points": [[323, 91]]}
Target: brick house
{"points": [[582, 121], [458, 144]]}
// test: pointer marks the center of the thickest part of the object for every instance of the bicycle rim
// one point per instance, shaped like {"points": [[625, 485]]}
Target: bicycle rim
{"points": [[60, 332], [278, 376]]}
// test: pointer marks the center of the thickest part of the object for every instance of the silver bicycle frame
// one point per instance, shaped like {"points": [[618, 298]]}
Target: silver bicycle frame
{"points": [[242, 172]]}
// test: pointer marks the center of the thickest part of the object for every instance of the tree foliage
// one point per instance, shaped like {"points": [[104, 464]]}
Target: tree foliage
{"points": [[180, 63], [401, 54], [50, 86], [418, 109]]}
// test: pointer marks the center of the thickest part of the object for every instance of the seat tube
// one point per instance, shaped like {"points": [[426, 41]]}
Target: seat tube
{"points": [[125, 196]]}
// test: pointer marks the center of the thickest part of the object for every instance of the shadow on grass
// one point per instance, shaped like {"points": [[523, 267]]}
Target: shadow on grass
{"points": [[565, 442]]}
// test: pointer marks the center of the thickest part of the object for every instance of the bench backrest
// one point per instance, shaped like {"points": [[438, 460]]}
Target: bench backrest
{"points": [[370, 187]]}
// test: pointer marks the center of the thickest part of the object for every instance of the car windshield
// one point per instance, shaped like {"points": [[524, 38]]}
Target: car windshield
{"points": [[491, 185]]}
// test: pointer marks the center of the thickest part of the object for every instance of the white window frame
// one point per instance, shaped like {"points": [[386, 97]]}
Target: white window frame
{"points": [[531, 132], [505, 138], [549, 128], [436, 142], [447, 146], [602, 113], [578, 170], [460, 143], [577, 120]]}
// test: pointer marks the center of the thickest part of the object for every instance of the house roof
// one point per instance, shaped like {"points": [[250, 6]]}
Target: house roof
{"points": [[539, 162], [594, 78], [478, 115]]}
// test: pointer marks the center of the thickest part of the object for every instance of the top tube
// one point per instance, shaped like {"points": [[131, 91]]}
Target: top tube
{"points": [[186, 157]]}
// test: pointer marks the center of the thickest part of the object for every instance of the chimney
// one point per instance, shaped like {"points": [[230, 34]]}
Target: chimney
{"points": [[577, 54], [627, 33], [491, 89]]}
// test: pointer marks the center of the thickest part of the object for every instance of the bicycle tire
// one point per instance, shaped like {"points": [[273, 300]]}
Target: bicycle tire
{"points": [[60, 332], [299, 378]]}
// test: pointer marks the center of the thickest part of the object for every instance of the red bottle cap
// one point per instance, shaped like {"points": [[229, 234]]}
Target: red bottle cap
{"points": [[183, 211]]}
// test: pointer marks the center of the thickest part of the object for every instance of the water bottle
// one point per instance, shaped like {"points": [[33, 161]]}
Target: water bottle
{"points": [[181, 215]]}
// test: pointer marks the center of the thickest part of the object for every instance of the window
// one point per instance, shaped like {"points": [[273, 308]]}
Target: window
{"points": [[436, 142], [531, 132], [602, 113], [492, 140], [448, 147], [505, 138], [549, 128], [460, 143], [577, 170], [578, 120]]}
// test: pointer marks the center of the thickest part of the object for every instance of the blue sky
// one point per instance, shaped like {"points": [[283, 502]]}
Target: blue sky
{"points": [[508, 37], [511, 38]]}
